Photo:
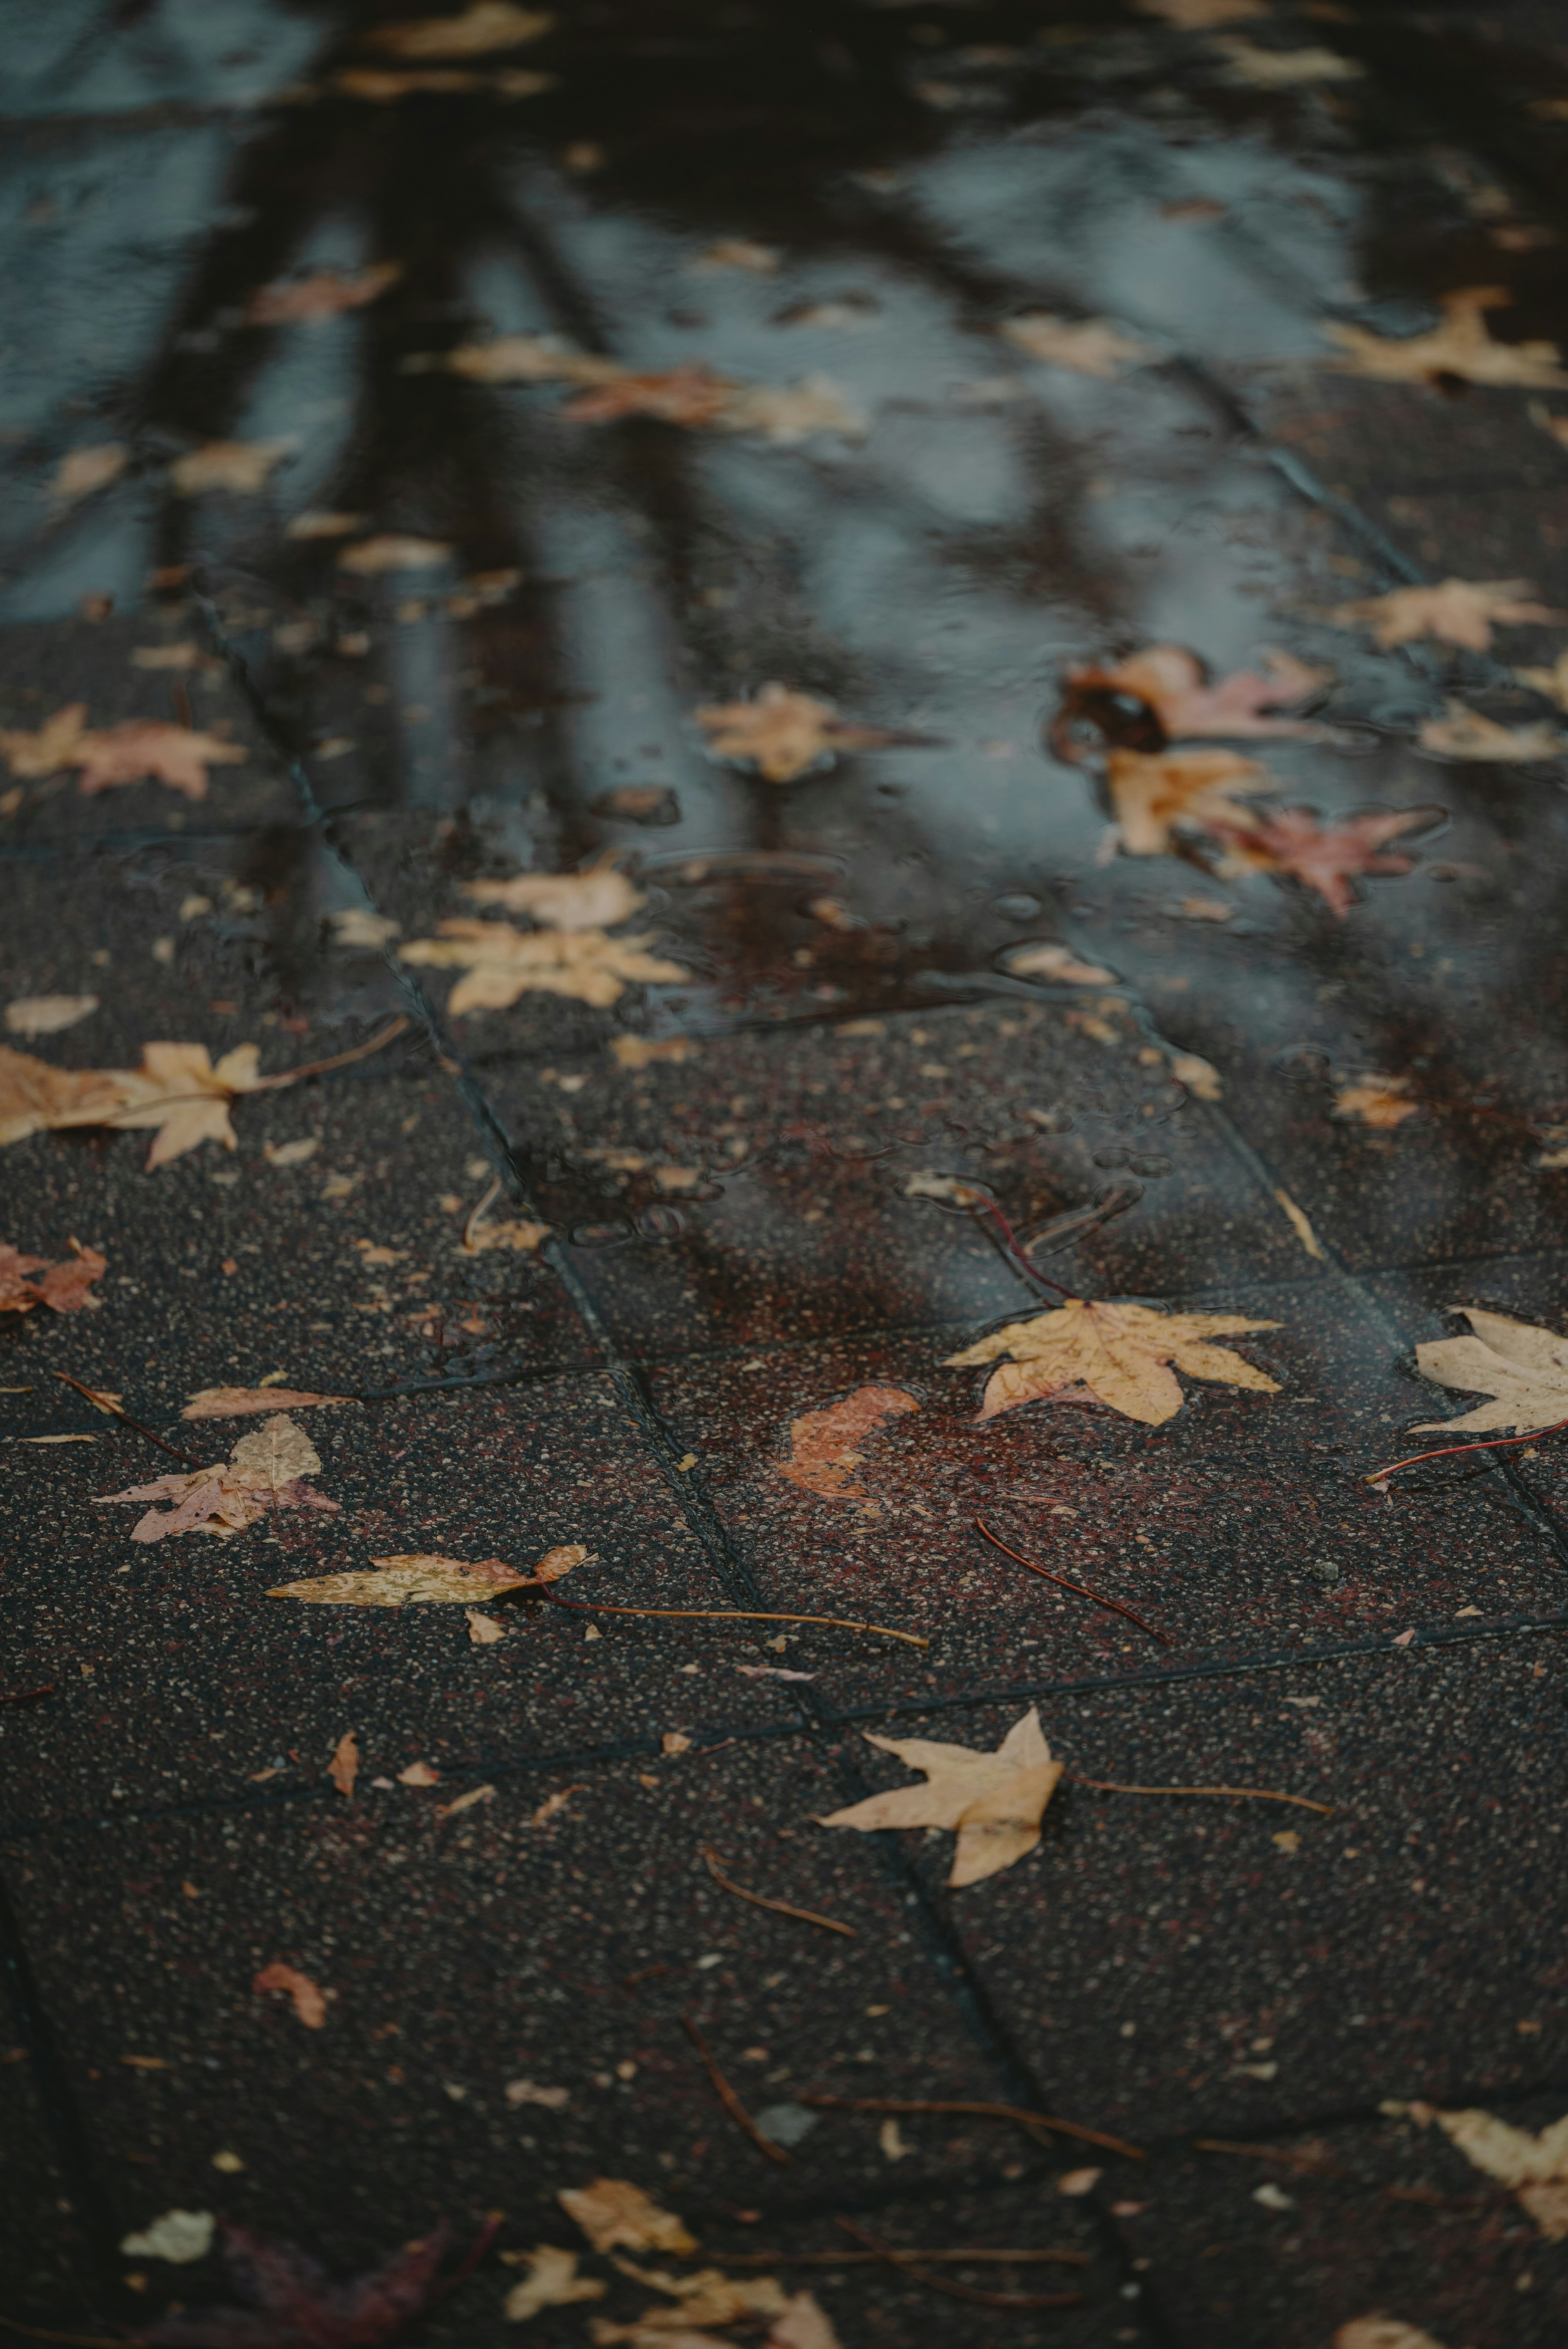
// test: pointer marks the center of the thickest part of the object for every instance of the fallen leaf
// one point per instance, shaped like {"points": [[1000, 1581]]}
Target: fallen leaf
{"points": [[380, 87], [1197, 16], [466, 1802], [526, 2092], [641, 1051], [789, 413], [1552, 682], [1079, 2181], [596, 899], [1088, 346], [1465, 733], [1456, 612], [83, 471], [1060, 963], [291, 2302], [707, 2297], [674, 1741], [483, 1629], [1200, 1076], [526, 358], [419, 1774], [772, 1672], [325, 526], [111, 755], [1153, 792], [1535, 2167], [1461, 347], [738, 253], [1323, 856], [552, 2281], [291, 1154], [1383, 2332], [344, 1767], [613, 2213], [64, 1287], [308, 2002], [1173, 684], [419, 1580], [693, 396], [993, 1802], [822, 1443], [890, 2139], [1376, 1101], [503, 963], [181, 2237], [783, 732], [326, 294], [803, 2325], [1284, 68], [690, 395], [237, 465], [354, 926], [1117, 1354], [1524, 1369], [246, 1402], [393, 551], [484, 26], [266, 1472], [47, 748]]}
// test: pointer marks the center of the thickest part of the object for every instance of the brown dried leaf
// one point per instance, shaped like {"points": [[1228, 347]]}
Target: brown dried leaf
{"points": [[993, 1802], [344, 1767], [87, 470], [325, 526], [783, 732], [1323, 856], [484, 26], [1118, 1354], [64, 1287], [552, 2281], [1376, 1101], [182, 1092], [1088, 346], [244, 1402], [1151, 793], [308, 2001], [503, 963], [611, 2212], [822, 1443], [596, 899], [1460, 346], [1523, 1368], [1465, 733], [1172, 682], [707, 2297], [236, 465], [393, 551], [381, 87], [326, 294], [693, 396]]}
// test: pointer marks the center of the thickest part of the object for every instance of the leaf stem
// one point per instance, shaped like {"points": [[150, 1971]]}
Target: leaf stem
{"points": [[115, 1412], [782, 1908], [1249, 1794], [729, 2100], [1081, 1589], [338, 1061], [731, 1614], [1445, 1451], [906, 2263]]}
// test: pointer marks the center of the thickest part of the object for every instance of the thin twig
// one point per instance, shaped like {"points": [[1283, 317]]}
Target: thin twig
{"points": [[338, 1061], [1006, 1240], [474, 1215], [732, 1615], [1082, 1589], [25, 1696], [985, 2112], [1238, 1793], [783, 1908], [727, 2097], [1493, 1444], [85, 2340], [904, 2263], [857, 2259], [116, 1412]]}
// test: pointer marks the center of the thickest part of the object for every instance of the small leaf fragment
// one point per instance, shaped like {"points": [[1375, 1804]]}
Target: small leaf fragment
{"points": [[309, 2004], [611, 2212]]}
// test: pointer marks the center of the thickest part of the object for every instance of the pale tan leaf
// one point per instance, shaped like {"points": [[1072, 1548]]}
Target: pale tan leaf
{"points": [[823, 1443], [407, 1582], [1383, 2332], [789, 413], [1535, 2167], [707, 2296], [142, 748], [552, 2281], [325, 526], [1456, 612], [393, 551], [596, 899], [1376, 1101], [738, 253], [46, 1015], [783, 732], [36, 1097], [308, 2001], [528, 2092], [1153, 792], [87, 470], [344, 1767], [1465, 733], [419, 1774], [1058, 963], [240, 466], [1461, 347], [291, 1154], [803, 2325], [1200, 1076], [641, 1051], [483, 1629], [503, 963], [354, 925], [1523, 1368], [275, 1455], [1119, 1352], [483, 26], [1552, 682], [1172, 681], [995, 1802], [1087, 347], [466, 1802], [1284, 68], [246, 1402], [326, 294], [612, 2212], [47, 748]]}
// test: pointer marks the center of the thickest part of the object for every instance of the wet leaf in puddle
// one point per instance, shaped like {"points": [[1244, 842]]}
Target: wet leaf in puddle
{"points": [[136, 749], [993, 1802], [1114, 1354], [1152, 793], [783, 732], [738, 253], [1173, 683], [1323, 856], [1461, 347], [1086, 346], [1465, 733], [1552, 682], [612, 2214], [393, 551], [483, 26], [1376, 1101], [823, 1442], [239, 466], [83, 471], [503, 964], [326, 294], [1284, 68], [65, 1287], [596, 899], [1058, 962], [1460, 612], [415, 1579], [1521, 1366]]}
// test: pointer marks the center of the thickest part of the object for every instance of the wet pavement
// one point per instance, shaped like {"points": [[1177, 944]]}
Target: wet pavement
{"points": [[456, 432]]}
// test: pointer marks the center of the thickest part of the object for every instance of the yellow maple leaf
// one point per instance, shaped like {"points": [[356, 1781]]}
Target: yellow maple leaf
{"points": [[1118, 1354], [1153, 791], [503, 963]]}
